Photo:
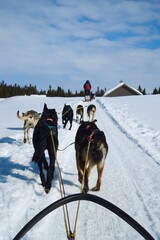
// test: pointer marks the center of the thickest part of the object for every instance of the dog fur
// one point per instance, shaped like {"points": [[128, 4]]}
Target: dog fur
{"points": [[88, 131], [91, 109], [79, 113], [30, 119], [67, 115], [45, 131]]}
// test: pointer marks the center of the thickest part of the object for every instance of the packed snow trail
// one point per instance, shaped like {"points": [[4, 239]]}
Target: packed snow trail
{"points": [[133, 173], [129, 181]]}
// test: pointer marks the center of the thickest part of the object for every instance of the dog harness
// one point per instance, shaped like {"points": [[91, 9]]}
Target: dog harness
{"points": [[90, 137], [51, 128]]}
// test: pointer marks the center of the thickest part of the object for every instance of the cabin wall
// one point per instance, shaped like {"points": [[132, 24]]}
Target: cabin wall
{"points": [[122, 91]]}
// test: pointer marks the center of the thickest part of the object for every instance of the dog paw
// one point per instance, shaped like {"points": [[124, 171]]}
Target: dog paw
{"points": [[46, 190], [95, 189], [85, 189]]}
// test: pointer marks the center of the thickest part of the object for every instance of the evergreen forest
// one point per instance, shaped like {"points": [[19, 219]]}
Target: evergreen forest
{"points": [[17, 90]]}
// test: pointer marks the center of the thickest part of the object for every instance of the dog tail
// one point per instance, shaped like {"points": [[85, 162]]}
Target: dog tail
{"points": [[39, 152], [23, 117], [35, 157]]}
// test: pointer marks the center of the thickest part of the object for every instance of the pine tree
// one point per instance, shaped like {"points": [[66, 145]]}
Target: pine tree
{"points": [[155, 91], [139, 88], [144, 91], [69, 93], [49, 92]]}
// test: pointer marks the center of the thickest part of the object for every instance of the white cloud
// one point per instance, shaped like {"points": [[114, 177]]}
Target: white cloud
{"points": [[78, 40]]}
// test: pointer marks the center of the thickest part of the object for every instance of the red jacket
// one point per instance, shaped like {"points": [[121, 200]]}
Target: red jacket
{"points": [[87, 86]]}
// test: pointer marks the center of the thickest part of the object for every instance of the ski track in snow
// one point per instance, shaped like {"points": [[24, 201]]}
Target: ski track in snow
{"points": [[128, 182], [135, 139], [136, 174]]}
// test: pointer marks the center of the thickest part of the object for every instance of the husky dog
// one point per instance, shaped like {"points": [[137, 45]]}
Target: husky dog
{"points": [[79, 113], [45, 137], [67, 115], [87, 133], [30, 119], [91, 109]]}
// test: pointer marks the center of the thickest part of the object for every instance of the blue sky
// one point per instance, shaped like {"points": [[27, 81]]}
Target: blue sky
{"points": [[65, 42]]}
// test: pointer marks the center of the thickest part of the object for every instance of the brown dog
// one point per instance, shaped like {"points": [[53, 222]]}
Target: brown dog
{"points": [[30, 119], [88, 133]]}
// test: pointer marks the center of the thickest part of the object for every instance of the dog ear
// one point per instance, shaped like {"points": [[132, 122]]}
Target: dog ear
{"points": [[45, 107], [94, 121], [81, 122]]}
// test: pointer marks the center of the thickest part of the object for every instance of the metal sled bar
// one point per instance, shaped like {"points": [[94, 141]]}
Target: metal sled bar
{"points": [[87, 197]]}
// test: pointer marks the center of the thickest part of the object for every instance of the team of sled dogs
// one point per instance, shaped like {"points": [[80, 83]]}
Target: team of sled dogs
{"points": [[91, 147]]}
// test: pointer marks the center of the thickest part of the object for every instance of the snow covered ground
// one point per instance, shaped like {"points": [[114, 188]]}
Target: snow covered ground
{"points": [[130, 178]]}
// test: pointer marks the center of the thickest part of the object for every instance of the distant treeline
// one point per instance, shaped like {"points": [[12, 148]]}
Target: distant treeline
{"points": [[143, 91], [16, 90]]}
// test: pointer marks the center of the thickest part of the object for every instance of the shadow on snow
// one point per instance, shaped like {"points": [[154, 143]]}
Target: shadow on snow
{"points": [[7, 140], [7, 169]]}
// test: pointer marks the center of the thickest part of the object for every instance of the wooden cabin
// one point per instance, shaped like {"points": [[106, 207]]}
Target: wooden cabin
{"points": [[122, 89]]}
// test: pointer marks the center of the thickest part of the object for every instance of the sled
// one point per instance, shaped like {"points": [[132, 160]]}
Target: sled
{"points": [[81, 197], [87, 98]]}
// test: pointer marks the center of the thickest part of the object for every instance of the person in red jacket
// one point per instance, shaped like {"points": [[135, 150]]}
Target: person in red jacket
{"points": [[87, 87]]}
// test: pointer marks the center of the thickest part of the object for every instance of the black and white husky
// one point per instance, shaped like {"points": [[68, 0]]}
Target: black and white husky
{"points": [[91, 109], [79, 113]]}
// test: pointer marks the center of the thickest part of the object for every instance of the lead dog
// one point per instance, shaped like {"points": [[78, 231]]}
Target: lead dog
{"points": [[79, 113], [91, 109], [30, 119], [45, 137], [94, 154], [67, 115]]}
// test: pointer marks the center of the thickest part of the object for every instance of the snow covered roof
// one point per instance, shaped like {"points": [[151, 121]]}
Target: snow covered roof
{"points": [[117, 91]]}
